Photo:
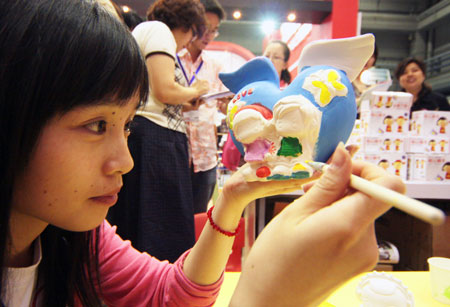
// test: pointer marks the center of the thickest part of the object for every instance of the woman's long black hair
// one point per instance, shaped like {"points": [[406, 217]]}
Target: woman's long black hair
{"points": [[56, 55]]}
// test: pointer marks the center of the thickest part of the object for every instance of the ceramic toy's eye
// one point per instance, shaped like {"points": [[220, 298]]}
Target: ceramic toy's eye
{"points": [[250, 122], [296, 116]]}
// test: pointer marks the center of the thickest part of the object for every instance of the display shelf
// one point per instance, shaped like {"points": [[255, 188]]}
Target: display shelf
{"points": [[415, 189], [428, 189]]}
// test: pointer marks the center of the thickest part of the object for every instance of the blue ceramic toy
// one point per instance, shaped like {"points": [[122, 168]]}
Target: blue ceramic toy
{"points": [[277, 131]]}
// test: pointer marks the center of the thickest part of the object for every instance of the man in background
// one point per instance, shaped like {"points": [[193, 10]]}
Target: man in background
{"points": [[201, 129]]}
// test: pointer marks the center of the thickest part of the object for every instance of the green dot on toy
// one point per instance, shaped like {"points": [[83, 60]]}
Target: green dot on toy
{"points": [[290, 147]]}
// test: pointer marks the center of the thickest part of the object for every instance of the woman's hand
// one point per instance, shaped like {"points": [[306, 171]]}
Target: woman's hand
{"points": [[193, 105], [201, 86], [316, 243], [222, 103], [238, 192], [207, 260]]}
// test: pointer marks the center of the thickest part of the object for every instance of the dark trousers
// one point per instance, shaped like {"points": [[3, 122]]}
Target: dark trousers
{"points": [[155, 207], [203, 184]]}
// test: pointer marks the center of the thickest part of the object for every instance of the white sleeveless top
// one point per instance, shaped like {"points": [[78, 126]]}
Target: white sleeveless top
{"points": [[22, 281]]}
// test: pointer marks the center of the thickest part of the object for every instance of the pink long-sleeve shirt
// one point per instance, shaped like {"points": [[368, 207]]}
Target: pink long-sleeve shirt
{"points": [[128, 278], [132, 278]]}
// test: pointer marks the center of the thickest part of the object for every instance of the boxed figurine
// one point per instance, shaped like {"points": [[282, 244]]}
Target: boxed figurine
{"points": [[394, 163], [391, 143], [420, 144], [397, 101], [355, 137], [430, 123], [429, 167], [383, 121]]}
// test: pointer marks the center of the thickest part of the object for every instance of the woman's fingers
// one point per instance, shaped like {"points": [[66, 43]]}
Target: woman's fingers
{"points": [[352, 149], [332, 185], [358, 209], [237, 189]]}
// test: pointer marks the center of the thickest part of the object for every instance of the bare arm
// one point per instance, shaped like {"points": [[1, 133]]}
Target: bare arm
{"points": [[206, 262], [161, 75]]}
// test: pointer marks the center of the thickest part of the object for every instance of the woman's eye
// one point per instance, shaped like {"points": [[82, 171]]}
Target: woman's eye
{"points": [[97, 127]]}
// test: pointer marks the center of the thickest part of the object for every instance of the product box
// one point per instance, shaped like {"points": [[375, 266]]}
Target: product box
{"points": [[429, 167], [378, 144], [420, 144], [398, 101], [359, 156], [355, 137], [380, 122], [357, 128], [430, 123], [394, 163], [372, 144]]}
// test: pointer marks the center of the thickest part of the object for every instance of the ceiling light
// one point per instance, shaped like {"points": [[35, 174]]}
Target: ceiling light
{"points": [[125, 8], [291, 17], [237, 14], [268, 26]]}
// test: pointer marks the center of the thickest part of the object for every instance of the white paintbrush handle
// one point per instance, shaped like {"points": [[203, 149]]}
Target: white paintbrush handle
{"points": [[409, 205]]}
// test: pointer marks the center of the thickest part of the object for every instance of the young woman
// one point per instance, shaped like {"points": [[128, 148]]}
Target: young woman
{"points": [[278, 52], [411, 74], [72, 78]]}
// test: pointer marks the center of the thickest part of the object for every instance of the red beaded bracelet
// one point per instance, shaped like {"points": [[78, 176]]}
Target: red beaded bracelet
{"points": [[216, 227]]}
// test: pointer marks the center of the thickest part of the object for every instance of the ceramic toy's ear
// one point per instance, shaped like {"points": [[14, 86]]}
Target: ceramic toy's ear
{"points": [[257, 69], [347, 54]]}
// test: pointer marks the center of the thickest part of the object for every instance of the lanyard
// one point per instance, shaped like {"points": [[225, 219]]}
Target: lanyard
{"points": [[184, 71]]}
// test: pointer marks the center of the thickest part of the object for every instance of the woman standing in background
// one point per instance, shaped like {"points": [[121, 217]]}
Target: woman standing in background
{"points": [[411, 74], [278, 52], [155, 208]]}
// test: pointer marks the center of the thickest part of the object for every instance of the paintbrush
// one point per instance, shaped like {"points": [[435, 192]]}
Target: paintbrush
{"points": [[416, 208]]}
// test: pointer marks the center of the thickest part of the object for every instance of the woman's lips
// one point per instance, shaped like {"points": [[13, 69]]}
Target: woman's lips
{"points": [[108, 200]]}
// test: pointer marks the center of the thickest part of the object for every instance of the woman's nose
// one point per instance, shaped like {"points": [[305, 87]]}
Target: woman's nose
{"points": [[120, 159]]}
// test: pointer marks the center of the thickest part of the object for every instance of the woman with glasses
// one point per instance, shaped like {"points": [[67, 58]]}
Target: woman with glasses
{"points": [[278, 52], [155, 207]]}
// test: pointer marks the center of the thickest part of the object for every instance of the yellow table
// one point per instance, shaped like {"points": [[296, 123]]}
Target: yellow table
{"points": [[417, 282]]}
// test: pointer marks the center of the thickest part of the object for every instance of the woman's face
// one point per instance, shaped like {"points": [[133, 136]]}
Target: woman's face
{"points": [[183, 37], [275, 52], [412, 78], [75, 172]]}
